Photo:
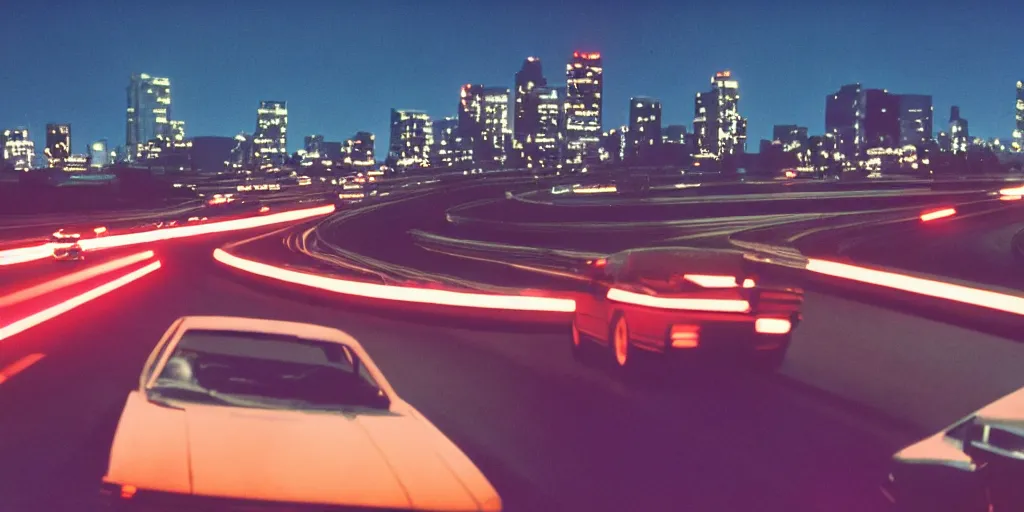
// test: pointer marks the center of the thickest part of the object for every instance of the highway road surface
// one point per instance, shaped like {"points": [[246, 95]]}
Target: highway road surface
{"points": [[551, 434], [974, 249]]}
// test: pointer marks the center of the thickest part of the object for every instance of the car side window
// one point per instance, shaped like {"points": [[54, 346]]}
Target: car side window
{"points": [[613, 269]]}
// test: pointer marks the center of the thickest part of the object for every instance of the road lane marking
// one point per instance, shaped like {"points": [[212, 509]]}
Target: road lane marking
{"points": [[19, 366]]}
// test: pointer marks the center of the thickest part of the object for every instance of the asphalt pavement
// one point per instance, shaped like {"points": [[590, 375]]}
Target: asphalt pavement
{"points": [[551, 434], [977, 249]]}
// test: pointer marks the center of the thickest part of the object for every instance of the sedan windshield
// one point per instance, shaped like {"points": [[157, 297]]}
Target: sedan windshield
{"points": [[268, 371]]}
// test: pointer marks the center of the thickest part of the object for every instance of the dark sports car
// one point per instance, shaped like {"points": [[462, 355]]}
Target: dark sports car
{"points": [[684, 300]]}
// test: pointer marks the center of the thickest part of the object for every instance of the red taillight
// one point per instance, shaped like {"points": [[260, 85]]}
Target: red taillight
{"points": [[938, 214], [128, 491], [685, 336], [772, 326]]}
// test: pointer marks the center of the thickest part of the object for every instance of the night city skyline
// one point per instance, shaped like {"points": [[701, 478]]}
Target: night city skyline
{"points": [[347, 82]]}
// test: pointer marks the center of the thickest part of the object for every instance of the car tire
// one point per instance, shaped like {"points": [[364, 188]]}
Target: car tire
{"points": [[618, 342], [576, 342]]}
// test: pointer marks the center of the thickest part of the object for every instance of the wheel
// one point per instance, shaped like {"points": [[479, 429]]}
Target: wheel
{"points": [[619, 342]]}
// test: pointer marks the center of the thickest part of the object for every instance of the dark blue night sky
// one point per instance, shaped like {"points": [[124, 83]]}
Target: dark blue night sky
{"points": [[341, 65]]}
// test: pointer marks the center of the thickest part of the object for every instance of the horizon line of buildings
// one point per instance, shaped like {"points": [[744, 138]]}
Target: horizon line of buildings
{"points": [[549, 126]]}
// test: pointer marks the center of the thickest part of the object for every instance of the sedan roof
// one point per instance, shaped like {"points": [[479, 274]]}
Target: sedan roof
{"points": [[665, 261]]}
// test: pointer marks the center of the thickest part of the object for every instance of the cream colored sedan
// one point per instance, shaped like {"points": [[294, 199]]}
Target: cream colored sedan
{"points": [[251, 414]]}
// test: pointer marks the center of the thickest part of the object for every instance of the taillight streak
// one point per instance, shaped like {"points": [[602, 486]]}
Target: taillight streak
{"points": [[53, 311], [399, 293]]}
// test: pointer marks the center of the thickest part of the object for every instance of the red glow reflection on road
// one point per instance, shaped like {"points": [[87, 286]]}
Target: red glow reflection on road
{"points": [[938, 214], [53, 311], [717, 305], [73, 278], [399, 293], [942, 290]]}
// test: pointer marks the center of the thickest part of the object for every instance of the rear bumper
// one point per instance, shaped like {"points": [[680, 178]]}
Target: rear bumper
{"points": [[738, 336]]}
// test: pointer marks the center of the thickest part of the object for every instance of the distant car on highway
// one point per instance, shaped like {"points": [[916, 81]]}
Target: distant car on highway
{"points": [[976, 465], [66, 242], [668, 300], [246, 414]]}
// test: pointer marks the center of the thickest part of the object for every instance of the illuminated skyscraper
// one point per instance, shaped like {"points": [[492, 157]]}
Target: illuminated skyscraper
{"points": [[58, 144], [149, 112], [844, 112], [450, 149], [644, 136], [412, 135], [916, 112], [543, 144], [584, 83], [358, 151], [270, 140], [483, 123], [18, 149], [721, 131], [530, 76], [1018, 133], [99, 155], [959, 134]]}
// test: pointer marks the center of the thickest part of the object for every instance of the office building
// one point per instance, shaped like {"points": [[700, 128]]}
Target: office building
{"points": [[76, 163], [790, 137], [412, 135], [99, 154], [612, 148], [149, 112], [881, 122], [525, 116], [844, 111], [270, 140], [583, 108], [242, 155], [916, 113], [959, 134], [483, 122], [358, 151], [644, 136], [674, 134], [313, 145], [58, 145], [19, 151], [543, 144], [721, 130], [450, 149], [1017, 142]]}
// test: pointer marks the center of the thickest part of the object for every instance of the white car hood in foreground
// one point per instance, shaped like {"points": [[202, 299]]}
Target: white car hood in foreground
{"points": [[388, 459]]}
